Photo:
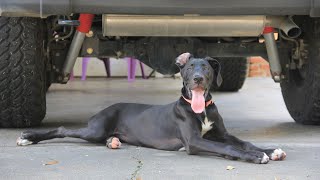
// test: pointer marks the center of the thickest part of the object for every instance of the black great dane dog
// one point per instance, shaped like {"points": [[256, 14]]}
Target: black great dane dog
{"points": [[191, 123]]}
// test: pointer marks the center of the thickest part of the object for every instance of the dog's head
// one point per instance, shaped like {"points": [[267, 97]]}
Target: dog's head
{"points": [[198, 75]]}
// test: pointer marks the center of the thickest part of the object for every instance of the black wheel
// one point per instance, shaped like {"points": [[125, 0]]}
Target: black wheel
{"points": [[301, 93], [22, 72], [48, 80], [233, 72]]}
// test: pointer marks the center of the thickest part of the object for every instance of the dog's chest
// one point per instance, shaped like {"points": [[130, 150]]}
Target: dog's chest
{"points": [[206, 125]]}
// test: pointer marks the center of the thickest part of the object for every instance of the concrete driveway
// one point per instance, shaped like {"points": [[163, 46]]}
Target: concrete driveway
{"points": [[256, 113]]}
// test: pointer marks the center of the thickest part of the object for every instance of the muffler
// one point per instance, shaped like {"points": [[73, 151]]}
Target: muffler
{"points": [[182, 26], [195, 26]]}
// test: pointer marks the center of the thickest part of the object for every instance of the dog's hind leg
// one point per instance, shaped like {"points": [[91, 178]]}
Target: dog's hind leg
{"points": [[96, 131], [89, 134]]}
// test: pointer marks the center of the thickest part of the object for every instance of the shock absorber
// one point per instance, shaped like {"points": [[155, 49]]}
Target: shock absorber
{"points": [[273, 55], [76, 44]]}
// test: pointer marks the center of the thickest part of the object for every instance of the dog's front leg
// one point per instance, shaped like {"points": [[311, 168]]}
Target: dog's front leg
{"points": [[219, 133], [198, 145], [195, 144], [274, 154]]}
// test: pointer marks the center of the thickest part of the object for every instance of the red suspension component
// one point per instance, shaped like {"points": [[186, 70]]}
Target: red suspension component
{"points": [[268, 29], [85, 22]]}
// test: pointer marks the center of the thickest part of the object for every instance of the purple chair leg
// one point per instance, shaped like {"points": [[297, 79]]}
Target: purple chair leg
{"points": [[131, 69], [142, 70], [106, 62], [85, 61]]}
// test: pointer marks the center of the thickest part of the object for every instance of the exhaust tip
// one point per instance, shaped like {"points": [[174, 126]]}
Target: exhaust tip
{"points": [[294, 32], [286, 24]]}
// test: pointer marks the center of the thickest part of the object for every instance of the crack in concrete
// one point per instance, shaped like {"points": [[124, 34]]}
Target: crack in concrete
{"points": [[134, 175]]}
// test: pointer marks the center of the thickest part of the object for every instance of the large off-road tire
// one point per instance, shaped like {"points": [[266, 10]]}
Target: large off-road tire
{"points": [[22, 72], [48, 81], [233, 72], [301, 93]]}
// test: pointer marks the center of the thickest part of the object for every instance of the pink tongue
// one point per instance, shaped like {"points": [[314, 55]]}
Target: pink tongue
{"points": [[197, 102]]}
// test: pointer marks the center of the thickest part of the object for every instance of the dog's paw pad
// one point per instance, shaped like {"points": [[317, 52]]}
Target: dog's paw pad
{"points": [[113, 143], [23, 142], [278, 155], [264, 159]]}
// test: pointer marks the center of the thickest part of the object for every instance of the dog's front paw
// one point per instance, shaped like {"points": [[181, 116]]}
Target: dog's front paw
{"points": [[264, 159], [258, 157], [277, 155]]}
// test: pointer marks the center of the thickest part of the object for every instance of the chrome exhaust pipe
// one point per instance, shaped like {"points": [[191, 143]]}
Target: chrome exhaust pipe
{"points": [[290, 28], [195, 26], [286, 24]]}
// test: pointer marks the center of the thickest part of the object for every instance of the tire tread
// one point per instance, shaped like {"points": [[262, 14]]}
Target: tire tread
{"points": [[21, 72], [233, 72]]}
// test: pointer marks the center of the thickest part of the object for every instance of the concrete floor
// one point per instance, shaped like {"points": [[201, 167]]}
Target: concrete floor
{"points": [[255, 113]]}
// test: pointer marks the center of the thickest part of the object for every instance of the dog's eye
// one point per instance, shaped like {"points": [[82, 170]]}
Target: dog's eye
{"points": [[191, 67]]}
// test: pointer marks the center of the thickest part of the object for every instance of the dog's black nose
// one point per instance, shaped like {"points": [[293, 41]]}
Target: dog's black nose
{"points": [[198, 79]]}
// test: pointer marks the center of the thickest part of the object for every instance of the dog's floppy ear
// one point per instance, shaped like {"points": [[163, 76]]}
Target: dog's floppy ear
{"points": [[182, 59], [217, 69]]}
